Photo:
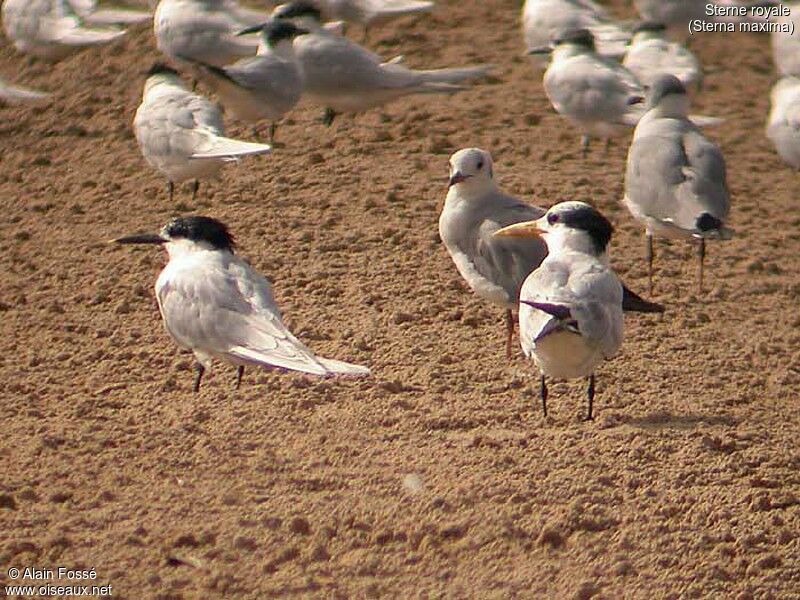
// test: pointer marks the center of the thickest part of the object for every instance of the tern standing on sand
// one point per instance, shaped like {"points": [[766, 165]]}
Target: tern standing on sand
{"points": [[182, 134], [216, 305], [675, 182], [344, 77], [570, 313]]}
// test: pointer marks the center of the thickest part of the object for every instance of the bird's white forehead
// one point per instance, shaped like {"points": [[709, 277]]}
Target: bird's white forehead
{"points": [[470, 156], [569, 205]]}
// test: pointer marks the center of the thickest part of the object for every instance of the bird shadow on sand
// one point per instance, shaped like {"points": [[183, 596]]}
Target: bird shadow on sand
{"points": [[668, 420]]}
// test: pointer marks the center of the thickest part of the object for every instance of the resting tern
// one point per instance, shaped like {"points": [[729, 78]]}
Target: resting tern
{"points": [[598, 95], [570, 311], [783, 127], [50, 29], [495, 267], [182, 134], [216, 305], [544, 21], [786, 46], [265, 86], [345, 77], [675, 181], [651, 54], [95, 15], [204, 30]]}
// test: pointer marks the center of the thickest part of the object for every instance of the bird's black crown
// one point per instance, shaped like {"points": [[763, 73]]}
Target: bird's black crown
{"points": [[579, 37], [278, 30], [592, 221], [664, 86], [649, 26], [200, 229], [298, 8]]}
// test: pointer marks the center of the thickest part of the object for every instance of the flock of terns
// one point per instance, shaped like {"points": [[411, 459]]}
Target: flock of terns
{"points": [[551, 266]]}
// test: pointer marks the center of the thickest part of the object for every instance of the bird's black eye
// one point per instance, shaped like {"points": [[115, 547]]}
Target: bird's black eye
{"points": [[552, 218], [480, 165]]}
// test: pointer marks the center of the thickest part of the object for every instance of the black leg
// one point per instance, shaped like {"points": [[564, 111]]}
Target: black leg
{"points": [[239, 374], [195, 188], [608, 145], [199, 370], [585, 145], [509, 332], [543, 393], [255, 131], [273, 127], [649, 261], [170, 190], [701, 255], [328, 117], [590, 395]]}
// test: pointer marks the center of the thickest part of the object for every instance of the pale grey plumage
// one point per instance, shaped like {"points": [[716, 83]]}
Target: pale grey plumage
{"points": [[16, 94], [783, 125]]}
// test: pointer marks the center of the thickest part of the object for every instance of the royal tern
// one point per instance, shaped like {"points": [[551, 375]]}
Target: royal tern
{"points": [[182, 134], [651, 54], [344, 77], [675, 181], [570, 311], [783, 126], [597, 94], [216, 305], [265, 86]]}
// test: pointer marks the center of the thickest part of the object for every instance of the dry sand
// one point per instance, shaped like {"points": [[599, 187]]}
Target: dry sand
{"points": [[439, 477]]}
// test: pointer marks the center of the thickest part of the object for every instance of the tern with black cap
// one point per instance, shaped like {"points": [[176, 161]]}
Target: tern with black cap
{"points": [[182, 134], [570, 308], [216, 305], [596, 94], [261, 87], [652, 54], [675, 181]]}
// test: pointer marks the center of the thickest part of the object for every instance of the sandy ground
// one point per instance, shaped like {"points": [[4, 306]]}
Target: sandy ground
{"points": [[439, 478]]}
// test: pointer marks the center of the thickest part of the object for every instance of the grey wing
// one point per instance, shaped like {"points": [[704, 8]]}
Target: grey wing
{"points": [[277, 82], [676, 174], [597, 297], [332, 62], [217, 313], [508, 261], [207, 37]]}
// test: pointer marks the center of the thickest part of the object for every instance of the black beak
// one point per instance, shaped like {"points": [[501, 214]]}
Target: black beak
{"points": [[457, 178], [143, 238], [301, 31], [253, 29], [635, 100], [541, 50]]}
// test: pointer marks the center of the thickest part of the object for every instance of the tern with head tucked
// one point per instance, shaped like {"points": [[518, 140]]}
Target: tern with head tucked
{"points": [[182, 134], [495, 267], [216, 305], [344, 77], [651, 55], [598, 95], [570, 311], [265, 86], [675, 182], [544, 21], [783, 126], [50, 29], [204, 30]]}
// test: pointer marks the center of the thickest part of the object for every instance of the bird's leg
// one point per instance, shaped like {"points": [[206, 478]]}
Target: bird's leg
{"points": [[239, 375], [170, 190], [701, 255], [195, 187], [199, 370], [509, 331], [365, 39], [649, 237], [608, 144], [255, 131], [590, 395], [543, 394], [273, 127], [328, 116], [585, 145]]}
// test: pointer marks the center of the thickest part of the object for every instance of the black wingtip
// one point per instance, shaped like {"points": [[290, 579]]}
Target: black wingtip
{"points": [[562, 313], [633, 302], [160, 68]]}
